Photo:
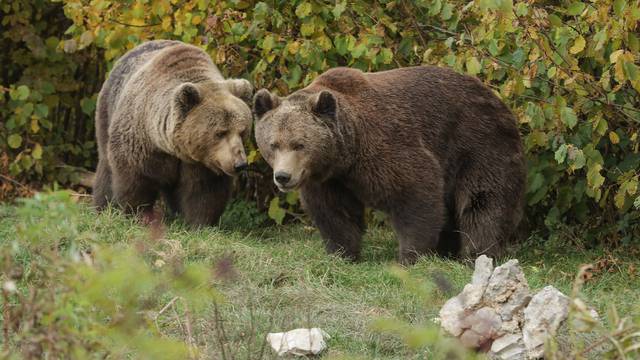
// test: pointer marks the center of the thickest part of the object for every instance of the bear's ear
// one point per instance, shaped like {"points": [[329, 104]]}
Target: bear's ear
{"points": [[186, 98], [264, 101], [324, 104], [240, 88]]}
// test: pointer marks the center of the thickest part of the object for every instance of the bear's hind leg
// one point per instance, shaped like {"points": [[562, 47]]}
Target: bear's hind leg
{"points": [[489, 205], [339, 216], [201, 195], [418, 221], [102, 191], [133, 192]]}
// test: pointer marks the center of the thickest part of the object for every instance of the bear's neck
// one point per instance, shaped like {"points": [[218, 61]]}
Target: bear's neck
{"points": [[160, 129]]}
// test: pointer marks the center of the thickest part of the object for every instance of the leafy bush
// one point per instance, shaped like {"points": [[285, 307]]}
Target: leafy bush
{"points": [[66, 296], [568, 70]]}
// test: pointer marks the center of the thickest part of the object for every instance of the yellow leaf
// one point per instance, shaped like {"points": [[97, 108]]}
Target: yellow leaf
{"points": [[613, 58], [137, 22], [196, 20], [578, 45], [619, 72], [619, 199], [294, 47], [166, 23], [35, 126], [37, 152], [613, 137]]}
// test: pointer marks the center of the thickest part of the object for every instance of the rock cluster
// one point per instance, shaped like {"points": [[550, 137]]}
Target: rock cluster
{"points": [[497, 313]]}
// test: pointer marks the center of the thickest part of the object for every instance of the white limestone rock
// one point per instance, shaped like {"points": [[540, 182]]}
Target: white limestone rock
{"points": [[298, 342], [508, 347], [453, 312], [546, 311]]}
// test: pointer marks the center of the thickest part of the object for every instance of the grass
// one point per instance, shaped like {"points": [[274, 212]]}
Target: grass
{"points": [[281, 279]]}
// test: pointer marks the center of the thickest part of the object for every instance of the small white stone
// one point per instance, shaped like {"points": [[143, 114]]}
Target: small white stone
{"points": [[299, 342], [10, 286]]}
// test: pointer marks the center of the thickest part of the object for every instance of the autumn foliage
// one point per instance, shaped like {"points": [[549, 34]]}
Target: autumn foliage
{"points": [[568, 69]]}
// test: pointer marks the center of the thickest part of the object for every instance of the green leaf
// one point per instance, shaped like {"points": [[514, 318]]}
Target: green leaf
{"points": [[619, 6], [447, 12], [522, 9], [292, 197], [268, 43], [14, 141], [561, 153], [386, 55], [555, 20], [275, 211], [536, 182], [578, 45], [303, 10], [568, 117], [534, 115], [42, 110], [473, 66], [575, 8], [307, 28], [22, 92], [630, 70], [577, 158], [85, 39], [88, 106], [493, 47], [594, 179], [359, 50], [47, 88], [339, 9], [436, 6], [633, 42]]}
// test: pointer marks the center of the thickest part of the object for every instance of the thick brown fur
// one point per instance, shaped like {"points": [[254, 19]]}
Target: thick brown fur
{"points": [[168, 123], [435, 150]]}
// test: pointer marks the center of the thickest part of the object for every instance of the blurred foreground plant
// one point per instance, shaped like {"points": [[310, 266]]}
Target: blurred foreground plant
{"points": [[64, 295]]}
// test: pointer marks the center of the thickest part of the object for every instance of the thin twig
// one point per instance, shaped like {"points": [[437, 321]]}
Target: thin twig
{"points": [[219, 332], [14, 182], [6, 318], [171, 302], [604, 339], [188, 327], [133, 25]]}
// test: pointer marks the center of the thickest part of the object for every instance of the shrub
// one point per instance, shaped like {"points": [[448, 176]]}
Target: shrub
{"points": [[567, 69]]}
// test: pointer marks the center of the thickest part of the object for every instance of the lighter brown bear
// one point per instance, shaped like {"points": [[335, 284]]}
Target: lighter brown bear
{"points": [[435, 150], [168, 123]]}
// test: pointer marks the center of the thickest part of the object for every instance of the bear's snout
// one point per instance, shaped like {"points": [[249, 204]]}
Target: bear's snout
{"points": [[282, 178], [240, 166]]}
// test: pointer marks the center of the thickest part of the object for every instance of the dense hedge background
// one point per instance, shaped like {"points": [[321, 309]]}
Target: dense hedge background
{"points": [[568, 69]]}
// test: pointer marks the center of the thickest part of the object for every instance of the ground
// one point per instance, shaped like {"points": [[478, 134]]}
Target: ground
{"points": [[281, 278]]}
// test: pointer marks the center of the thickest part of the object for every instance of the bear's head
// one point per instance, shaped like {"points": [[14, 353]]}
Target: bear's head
{"points": [[299, 136], [211, 122]]}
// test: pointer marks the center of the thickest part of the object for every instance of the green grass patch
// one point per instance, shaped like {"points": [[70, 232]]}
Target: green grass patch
{"points": [[280, 278]]}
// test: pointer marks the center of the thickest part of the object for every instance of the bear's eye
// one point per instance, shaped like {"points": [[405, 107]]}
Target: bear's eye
{"points": [[297, 146], [221, 134], [274, 146]]}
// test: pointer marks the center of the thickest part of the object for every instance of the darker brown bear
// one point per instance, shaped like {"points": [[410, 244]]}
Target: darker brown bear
{"points": [[435, 150]]}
